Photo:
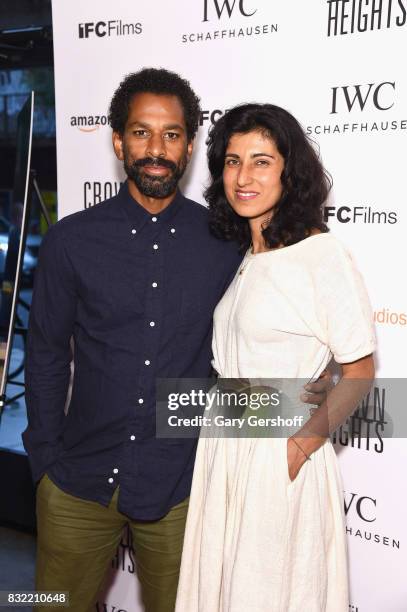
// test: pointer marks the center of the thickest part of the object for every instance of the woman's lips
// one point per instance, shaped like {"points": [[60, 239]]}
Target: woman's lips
{"points": [[246, 195]]}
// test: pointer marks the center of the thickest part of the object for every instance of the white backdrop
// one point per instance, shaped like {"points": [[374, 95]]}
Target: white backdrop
{"points": [[339, 67]]}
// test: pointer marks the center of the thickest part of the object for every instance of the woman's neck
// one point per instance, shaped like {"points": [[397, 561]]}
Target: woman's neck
{"points": [[256, 227]]}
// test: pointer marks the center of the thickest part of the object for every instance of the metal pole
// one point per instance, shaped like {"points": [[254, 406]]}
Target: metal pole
{"points": [[39, 196]]}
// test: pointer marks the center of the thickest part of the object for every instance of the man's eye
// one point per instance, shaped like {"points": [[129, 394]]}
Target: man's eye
{"points": [[139, 132], [172, 135]]}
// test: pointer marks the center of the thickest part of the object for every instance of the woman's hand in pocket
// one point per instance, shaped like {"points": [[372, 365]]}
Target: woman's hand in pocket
{"points": [[295, 459]]}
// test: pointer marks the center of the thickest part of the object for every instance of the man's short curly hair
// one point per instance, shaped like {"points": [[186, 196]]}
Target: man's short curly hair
{"points": [[157, 81]]}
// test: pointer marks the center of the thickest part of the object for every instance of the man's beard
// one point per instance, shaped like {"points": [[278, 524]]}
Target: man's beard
{"points": [[155, 186]]}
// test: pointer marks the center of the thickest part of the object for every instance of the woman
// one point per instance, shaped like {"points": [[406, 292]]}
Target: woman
{"points": [[266, 529]]}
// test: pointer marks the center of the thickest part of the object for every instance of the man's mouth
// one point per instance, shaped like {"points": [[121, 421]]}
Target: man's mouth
{"points": [[156, 167], [156, 170]]}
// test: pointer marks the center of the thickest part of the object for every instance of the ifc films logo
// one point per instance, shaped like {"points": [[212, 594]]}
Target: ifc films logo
{"points": [[359, 214], [113, 27]]}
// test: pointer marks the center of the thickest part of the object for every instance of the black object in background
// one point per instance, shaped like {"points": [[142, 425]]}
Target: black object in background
{"points": [[14, 250]]}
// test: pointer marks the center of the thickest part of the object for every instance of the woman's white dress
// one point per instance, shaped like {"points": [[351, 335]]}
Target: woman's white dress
{"points": [[254, 540]]}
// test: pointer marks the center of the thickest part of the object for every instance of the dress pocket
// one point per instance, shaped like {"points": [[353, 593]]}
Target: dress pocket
{"points": [[300, 474], [289, 481]]}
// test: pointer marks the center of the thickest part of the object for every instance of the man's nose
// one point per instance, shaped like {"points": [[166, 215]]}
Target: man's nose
{"points": [[156, 146]]}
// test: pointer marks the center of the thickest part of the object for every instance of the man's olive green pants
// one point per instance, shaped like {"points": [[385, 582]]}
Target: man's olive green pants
{"points": [[77, 539]]}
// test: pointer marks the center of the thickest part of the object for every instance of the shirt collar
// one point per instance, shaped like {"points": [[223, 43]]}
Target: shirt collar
{"points": [[138, 215]]}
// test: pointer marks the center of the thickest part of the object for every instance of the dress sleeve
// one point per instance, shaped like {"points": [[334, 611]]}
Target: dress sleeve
{"points": [[343, 305]]}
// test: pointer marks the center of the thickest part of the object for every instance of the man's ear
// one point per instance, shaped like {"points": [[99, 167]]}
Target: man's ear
{"points": [[117, 140], [190, 148]]}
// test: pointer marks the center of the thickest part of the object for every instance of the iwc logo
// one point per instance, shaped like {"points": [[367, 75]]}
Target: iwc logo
{"points": [[234, 19], [362, 108], [362, 509], [227, 7]]}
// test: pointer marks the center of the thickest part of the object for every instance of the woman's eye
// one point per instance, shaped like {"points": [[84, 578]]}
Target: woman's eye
{"points": [[231, 162], [262, 162]]}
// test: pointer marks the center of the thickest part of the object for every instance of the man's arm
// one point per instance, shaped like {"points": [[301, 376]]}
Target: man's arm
{"points": [[47, 371], [317, 392], [340, 403]]}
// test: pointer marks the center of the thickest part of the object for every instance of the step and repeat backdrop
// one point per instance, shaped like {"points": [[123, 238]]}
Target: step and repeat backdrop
{"points": [[339, 67]]}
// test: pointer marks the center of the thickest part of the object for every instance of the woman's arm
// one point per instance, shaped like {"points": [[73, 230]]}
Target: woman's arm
{"points": [[357, 378]]}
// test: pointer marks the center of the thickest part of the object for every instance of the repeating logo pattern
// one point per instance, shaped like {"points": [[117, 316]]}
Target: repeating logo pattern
{"points": [[361, 16], [113, 27], [235, 20]]}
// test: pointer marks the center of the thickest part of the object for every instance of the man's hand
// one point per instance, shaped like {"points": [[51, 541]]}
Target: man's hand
{"points": [[316, 392]]}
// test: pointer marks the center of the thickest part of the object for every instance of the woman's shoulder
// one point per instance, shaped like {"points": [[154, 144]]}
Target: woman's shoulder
{"points": [[330, 263], [323, 254], [325, 244]]}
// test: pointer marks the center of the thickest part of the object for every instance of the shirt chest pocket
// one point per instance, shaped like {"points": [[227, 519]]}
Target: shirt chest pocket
{"points": [[116, 293], [193, 311]]}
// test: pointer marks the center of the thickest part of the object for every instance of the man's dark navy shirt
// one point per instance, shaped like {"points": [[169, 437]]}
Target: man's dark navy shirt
{"points": [[136, 292]]}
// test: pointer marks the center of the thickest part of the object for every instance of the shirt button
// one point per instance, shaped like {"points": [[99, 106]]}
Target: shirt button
{"points": [[133, 231], [132, 438], [115, 471], [147, 362], [153, 219], [111, 480], [155, 247], [154, 285], [172, 230], [152, 323], [141, 401]]}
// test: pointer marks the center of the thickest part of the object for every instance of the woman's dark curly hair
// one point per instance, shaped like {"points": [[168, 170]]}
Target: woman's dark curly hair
{"points": [[305, 182], [157, 81]]}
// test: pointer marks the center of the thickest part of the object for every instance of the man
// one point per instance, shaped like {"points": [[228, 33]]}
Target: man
{"points": [[134, 281]]}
